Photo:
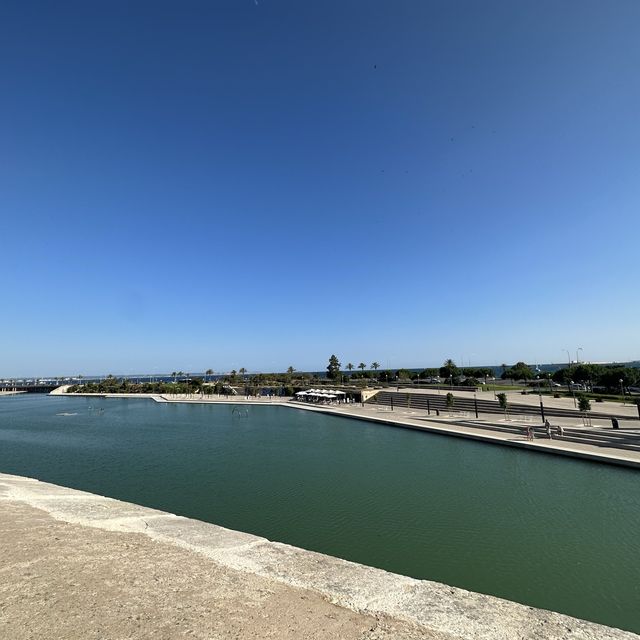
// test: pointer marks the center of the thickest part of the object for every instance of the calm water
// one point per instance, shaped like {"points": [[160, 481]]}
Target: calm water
{"points": [[547, 531]]}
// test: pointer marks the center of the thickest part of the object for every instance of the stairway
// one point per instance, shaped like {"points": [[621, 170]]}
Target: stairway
{"points": [[438, 401]]}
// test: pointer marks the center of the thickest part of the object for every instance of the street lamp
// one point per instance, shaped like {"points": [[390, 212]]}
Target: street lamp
{"points": [[577, 358], [568, 357], [573, 393], [624, 400]]}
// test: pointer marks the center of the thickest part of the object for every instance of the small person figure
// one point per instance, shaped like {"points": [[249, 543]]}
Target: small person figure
{"points": [[547, 427], [560, 430]]}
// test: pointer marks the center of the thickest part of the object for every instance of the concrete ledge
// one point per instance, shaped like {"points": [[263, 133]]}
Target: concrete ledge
{"points": [[432, 609], [443, 426]]}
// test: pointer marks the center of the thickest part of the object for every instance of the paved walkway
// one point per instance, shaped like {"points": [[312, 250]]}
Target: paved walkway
{"points": [[446, 424], [449, 424], [480, 430]]}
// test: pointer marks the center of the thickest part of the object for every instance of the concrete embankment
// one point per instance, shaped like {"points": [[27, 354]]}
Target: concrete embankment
{"points": [[451, 425], [77, 565]]}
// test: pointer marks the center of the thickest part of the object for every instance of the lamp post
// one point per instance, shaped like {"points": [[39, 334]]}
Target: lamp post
{"points": [[577, 358], [540, 398], [568, 357], [573, 393], [624, 400]]}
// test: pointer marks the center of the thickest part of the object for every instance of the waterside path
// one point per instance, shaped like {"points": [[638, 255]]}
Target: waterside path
{"points": [[487, 428]]}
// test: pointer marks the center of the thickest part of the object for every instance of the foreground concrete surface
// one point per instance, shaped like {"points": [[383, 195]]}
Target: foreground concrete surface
{"points": [[77, 565]]}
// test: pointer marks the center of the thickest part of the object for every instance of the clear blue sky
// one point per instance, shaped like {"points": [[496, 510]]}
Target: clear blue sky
{"points": [[186, 185]]}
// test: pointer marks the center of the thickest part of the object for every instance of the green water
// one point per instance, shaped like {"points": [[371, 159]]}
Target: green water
{"points": [[544, 530]]}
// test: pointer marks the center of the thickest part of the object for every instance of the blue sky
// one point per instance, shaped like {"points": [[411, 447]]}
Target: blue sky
{"points": [[186, 185]]}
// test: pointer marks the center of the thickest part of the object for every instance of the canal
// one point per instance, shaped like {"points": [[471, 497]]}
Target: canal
{"points": [[547, 531]]}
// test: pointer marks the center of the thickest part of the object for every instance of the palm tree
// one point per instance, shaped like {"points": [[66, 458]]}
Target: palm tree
{"points": [[242, 371], [208, 372], [375, 366], [362, 366], [173, 375], [350, 367], [290, 371], [450, 369], [234, 373]]}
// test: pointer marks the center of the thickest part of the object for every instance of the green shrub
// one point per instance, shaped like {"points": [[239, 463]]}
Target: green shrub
{"points": [[583, 403]]}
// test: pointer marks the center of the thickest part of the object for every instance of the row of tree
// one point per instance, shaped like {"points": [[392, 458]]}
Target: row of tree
{"points": [[610, 377], [189, 387], [613, 378], [449, 372], [334, 368]]}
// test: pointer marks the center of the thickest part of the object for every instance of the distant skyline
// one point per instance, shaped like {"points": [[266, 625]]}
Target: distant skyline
{"points": [[466, 364], [225, 184]]}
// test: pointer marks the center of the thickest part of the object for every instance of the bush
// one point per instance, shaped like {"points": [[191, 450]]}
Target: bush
{"points": [[556, 395], [450, 400], [583, 403], [599, 400]]}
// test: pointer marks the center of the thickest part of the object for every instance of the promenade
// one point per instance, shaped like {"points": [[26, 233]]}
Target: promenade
{"points": [[488, 428], [599, 444]]}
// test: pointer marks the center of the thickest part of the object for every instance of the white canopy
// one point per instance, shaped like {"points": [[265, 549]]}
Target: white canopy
{"points": [[321, 393]]}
